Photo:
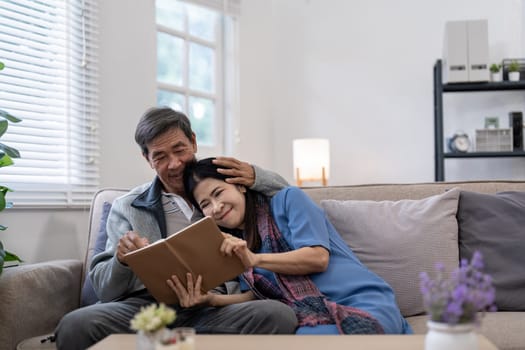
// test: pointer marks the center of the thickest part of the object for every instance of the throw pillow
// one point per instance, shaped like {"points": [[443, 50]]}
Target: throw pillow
{"points": [[399, 239], [494, 224], [88, 295]]}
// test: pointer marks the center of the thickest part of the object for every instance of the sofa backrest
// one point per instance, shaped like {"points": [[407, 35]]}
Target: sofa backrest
{"points": [[356, 192], [104, 195], [399, 272], [394, 192]]}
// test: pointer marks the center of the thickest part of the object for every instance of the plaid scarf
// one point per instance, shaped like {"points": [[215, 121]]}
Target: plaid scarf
{"points": [[299, 292]]}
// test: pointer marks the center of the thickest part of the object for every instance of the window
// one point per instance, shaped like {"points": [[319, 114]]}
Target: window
{"points": [[50, 82], [193, 41]]}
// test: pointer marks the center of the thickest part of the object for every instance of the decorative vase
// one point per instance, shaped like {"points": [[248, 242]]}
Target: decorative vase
{"points": [[450, 337], [514, 76], [495, 77], [149, 340]]}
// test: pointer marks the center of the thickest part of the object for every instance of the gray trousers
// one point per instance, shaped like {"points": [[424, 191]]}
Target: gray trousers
{"points": [[84, 327]]}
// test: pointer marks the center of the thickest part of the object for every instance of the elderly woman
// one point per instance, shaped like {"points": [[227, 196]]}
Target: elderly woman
{"points": [[292, 253]]}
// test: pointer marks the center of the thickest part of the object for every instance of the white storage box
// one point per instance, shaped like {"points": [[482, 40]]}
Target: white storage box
{"points": [[494, 140]]}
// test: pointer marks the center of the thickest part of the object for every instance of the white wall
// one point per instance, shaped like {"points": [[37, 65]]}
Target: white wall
{"points": [[356, 72], [360, 74], [128, 68]]}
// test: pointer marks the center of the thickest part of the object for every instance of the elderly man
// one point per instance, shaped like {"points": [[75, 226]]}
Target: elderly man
{"points": [[150, 212]]}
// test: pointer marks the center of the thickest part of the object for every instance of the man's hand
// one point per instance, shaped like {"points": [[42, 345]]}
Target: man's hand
{"points": [[129, 242], [242, 173], [192, 295]]}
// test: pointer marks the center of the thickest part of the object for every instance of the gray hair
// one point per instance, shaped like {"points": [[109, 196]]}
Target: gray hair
{"points": [[158, 120]]}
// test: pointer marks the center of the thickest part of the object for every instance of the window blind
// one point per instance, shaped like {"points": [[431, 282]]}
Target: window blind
{"points": [[49, 49]]}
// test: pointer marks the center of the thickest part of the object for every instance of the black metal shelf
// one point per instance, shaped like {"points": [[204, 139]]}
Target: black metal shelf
{"points": [[484, 154], [439, 90], [488, 86]]}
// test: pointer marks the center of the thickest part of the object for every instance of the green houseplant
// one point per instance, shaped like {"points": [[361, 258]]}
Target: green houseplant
{"points": [[514, 70], [6, 155], [514, 66], [495, 68], [495, 72]]}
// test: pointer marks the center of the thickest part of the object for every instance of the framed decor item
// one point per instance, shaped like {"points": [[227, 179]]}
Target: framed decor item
{"points": [[491, 123]]}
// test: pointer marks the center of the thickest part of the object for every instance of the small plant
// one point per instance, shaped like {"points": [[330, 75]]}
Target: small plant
{"points": [[6, 155], [459, 298], [514, 66], [495, 68], [153, 318]]}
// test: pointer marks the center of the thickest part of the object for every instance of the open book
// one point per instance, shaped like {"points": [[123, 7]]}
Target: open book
{"points": [[194, 249]]}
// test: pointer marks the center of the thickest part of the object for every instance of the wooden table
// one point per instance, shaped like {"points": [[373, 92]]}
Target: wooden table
{"points": [[289, 342]]}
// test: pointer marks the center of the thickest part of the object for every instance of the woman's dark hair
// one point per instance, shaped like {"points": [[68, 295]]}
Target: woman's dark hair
{"points": [[158, 120], [196, 171]]}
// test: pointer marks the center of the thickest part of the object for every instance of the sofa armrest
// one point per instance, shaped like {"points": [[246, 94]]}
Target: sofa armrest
{"points": [[34, 297]]}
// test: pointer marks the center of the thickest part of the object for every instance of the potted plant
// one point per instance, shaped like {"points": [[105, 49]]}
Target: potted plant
{"points": [[151, 324], [456, 303], [495, 72], [6, 155], [514, 71]]}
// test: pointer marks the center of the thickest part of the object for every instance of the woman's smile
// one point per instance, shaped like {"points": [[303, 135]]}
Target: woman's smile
{"points": [[221, 218], [222, 201]]}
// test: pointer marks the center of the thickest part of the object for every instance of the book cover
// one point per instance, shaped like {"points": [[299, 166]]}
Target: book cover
{"points": [[194, 249]]}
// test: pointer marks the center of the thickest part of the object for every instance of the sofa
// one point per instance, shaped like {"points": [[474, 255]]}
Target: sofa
{"points": [[397, 230]]}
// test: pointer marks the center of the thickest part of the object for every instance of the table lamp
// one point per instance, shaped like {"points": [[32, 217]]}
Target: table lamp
{"points": [[311, 160]]}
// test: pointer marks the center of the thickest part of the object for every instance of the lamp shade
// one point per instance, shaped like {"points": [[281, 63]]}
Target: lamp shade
{"points": [[311, 159]]}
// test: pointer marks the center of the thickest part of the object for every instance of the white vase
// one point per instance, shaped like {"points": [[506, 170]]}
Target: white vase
{"points": [[149, 340], [495, 77], [450, 337], [514, 76]]}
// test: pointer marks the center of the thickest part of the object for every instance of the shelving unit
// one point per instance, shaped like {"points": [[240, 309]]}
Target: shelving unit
{"points": [[439, 90]]}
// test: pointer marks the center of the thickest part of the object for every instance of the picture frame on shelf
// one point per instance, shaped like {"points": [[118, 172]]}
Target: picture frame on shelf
{"points": [[491, 123]]}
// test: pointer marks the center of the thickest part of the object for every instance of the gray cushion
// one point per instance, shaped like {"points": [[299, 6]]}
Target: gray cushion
{"points": [[88, 295], [495, 225], [399, 239]]}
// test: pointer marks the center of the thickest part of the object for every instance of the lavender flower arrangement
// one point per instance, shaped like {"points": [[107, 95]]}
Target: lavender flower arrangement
{"points": [[458, 299]]}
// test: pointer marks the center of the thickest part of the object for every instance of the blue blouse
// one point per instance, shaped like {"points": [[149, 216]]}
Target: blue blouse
{"points": [[346, 281]]}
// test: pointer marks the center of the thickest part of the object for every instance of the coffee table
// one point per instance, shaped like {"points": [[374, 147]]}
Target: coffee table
{"points": [[287, 342]]}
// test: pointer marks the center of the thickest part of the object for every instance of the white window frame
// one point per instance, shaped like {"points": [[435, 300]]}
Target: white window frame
{"points": [[226, 57], [50, 82]]}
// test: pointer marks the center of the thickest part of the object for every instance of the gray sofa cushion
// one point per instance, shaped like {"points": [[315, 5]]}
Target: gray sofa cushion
{"points": [[495, 225], [399, 239], [34, 297]]}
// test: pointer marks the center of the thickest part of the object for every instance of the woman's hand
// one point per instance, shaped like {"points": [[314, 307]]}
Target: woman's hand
{"points": [[192, 295], [233, 245]]}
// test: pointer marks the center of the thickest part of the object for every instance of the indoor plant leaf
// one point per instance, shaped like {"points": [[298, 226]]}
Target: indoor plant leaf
{"points": [[10, 151], [5, 160], [9, 116], [3, 126], [2, 255], [11, 257], [3, 203]]}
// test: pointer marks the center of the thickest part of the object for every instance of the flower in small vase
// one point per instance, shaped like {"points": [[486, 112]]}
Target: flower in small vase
{"points": [[152, 318], [458, 298]]}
